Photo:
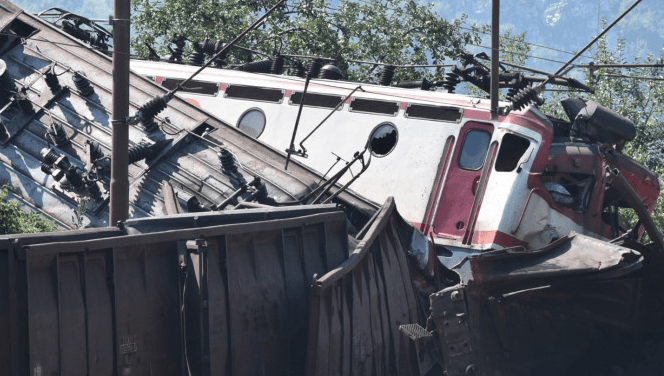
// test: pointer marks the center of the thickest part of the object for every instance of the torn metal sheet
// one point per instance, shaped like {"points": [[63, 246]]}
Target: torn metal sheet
{"points": [[357, 308], [566, 257]]}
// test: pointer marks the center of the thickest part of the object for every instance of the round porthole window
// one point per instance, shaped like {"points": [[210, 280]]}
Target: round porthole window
{"points": [[383, 139], [252, 122]]}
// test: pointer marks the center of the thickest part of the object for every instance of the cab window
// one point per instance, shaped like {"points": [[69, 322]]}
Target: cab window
{"points": [[473, 151]]}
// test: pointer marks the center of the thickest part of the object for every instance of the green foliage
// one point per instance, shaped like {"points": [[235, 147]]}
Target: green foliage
{"points": [[13, 220], [78, 218], [390, 31], [513, 48]]}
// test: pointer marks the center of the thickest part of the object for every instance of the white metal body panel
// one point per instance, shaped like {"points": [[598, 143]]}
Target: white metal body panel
{"points": [[407, 173]]}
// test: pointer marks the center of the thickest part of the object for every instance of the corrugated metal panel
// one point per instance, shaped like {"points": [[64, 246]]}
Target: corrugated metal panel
{"points": [[125, 304], [357, 308], [14, 292]]}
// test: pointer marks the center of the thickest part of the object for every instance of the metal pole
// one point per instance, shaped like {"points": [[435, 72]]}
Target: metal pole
{"points": [[119, 207], [495, 57]]}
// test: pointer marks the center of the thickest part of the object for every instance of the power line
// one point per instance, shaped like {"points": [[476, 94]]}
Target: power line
{"points": [[522, 54], [512, 39], [528, 43], [632, 77]]}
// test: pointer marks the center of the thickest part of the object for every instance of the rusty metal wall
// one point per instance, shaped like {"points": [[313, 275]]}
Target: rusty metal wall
{"points": [[357, 308], [14, 297], [125, 304]]}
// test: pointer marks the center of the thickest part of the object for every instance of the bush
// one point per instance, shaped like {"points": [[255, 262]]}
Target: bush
{"points": [[13, 220]]}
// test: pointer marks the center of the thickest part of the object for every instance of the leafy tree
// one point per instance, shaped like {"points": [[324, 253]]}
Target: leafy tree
{"points": [[13, 220], [394, 32]]}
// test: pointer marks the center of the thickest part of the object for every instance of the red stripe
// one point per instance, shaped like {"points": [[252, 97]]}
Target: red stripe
{"points": [[496, 237], [488, 237]]}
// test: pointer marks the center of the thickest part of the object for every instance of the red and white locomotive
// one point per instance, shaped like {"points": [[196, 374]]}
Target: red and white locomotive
{"points": [[467, 180]]}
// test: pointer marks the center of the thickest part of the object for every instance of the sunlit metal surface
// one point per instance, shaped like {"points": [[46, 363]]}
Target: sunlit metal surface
{"points": [[186, 139]]}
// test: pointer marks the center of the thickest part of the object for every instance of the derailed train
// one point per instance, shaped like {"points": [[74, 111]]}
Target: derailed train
{"points": [[511, 257], [522, 209]]}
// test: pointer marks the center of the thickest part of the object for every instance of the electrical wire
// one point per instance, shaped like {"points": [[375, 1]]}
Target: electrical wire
{"points": [[256, 52], [631, 77], [512, 39], [528, 43], [522, 54]]}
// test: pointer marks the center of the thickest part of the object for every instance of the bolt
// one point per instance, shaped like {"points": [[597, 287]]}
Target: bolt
{"points": [[471, 370]]}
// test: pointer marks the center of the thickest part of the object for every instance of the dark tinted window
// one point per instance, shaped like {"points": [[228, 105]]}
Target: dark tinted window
{"points": [[317, 100], [374, 106], [512, 148], [253, 92], [193, 86], [383, 139], [437, 113], [474, 148]]}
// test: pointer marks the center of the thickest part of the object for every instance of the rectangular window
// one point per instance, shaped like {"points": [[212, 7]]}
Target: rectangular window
{"points": [[193, 86], [436, 113], [254, 92], [374, 106], [316, 100]]}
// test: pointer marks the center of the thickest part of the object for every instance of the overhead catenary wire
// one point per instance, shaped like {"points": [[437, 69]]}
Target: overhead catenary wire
{"points": [[521, 54], [600, 66], [528, 43], [298, 5], [631, 77], [529, 94], [597, 37], [401, 65]]}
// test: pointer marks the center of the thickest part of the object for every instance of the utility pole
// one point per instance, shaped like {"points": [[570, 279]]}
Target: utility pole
{"points": [[119, 206], [495, 57]]}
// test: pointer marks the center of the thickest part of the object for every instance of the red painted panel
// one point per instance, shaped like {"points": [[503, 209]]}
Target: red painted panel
{"points": [[458, 195]]}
